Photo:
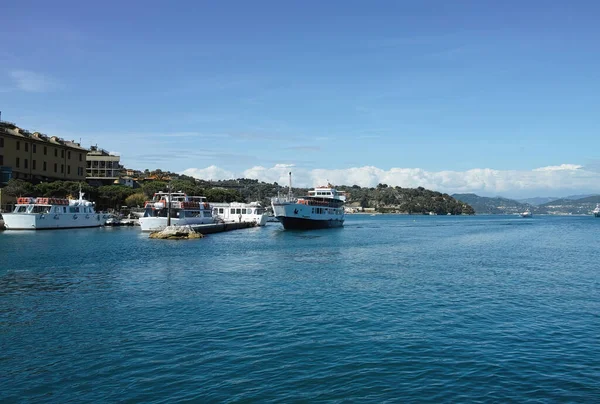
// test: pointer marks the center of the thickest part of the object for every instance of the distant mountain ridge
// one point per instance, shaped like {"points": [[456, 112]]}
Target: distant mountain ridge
{"points": [[570, 205], [496, 205], [540, 200]]}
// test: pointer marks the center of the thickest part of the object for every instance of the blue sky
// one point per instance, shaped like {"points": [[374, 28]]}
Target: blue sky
{"points": [[440, 86]]}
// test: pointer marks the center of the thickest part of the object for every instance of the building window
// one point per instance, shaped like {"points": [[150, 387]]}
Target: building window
{"points": [[44, 166], [33, 148], [18, 145], [55, 153], [62, 154], [25, 161], [26, 146], [80, 157], [45, 150], [33, 164], [68, 169], [18, 162], [62, 168], [55, 167], [2, 143], [1, 160], [69, 155]]}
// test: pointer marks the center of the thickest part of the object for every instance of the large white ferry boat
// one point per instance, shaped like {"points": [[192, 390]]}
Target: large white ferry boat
{"points": [[322, 208], [252, 212], [185, 210], [596, 211], [53, 213]]}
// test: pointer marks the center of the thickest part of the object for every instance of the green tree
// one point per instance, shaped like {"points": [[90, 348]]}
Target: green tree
{"points": [[136, 199], [152, 187], [113, 196], [18, 188]]}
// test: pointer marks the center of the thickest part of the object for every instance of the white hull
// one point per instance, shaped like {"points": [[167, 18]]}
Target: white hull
{"points": [[159, 223], [305, 216], [38, 221]]}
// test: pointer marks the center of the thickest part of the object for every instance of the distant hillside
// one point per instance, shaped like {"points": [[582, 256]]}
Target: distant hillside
{"points": [[581, 206], [538, 200], [497, 205], [419, 200]]}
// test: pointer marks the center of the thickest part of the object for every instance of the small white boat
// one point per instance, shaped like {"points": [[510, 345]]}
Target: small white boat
{"points": [[596, 211], [252, 212], [527, 213]]}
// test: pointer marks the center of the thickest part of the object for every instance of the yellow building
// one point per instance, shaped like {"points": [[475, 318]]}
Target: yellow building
{"points": [[37, 157]]}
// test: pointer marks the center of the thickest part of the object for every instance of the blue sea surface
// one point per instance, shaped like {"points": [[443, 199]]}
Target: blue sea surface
{"points": [[388, 308]]}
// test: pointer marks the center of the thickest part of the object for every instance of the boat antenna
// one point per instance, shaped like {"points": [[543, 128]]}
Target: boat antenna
{"points": [[290, 187]]}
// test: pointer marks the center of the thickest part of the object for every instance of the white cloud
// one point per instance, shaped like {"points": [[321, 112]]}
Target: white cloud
{"points": [[485, 181], [560, 167], [209, 173], [32, 82]]}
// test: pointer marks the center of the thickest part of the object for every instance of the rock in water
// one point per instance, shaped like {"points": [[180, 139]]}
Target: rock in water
{"points": [[176, 233]]}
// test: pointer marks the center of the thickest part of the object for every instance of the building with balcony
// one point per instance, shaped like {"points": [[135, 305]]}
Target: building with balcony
{"points": [[38, 157], [102, 166]]}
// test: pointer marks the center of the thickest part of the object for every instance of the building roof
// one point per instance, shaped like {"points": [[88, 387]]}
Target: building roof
{"points": [[9, 128]]}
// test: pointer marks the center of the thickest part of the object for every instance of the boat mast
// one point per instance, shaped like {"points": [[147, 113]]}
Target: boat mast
{"points": [[169, 205], [290, 187]]}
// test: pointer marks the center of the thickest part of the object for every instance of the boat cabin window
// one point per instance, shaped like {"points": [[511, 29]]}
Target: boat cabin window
{"points": [[74, 209], [57, 209], [220, 210], [40, 209], [207, 214], [21, 209], [243, 211]]}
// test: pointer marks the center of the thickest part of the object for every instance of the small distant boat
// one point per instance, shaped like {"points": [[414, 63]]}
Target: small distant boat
{"points": [[596, 211], [527, 213]]}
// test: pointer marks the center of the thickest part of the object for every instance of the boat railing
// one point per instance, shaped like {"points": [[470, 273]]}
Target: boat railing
{"points": [[280, 200]]}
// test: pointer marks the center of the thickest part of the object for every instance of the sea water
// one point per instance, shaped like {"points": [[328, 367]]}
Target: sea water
{"points": [[388, 308]]}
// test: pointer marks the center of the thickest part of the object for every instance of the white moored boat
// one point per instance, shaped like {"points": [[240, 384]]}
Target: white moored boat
{"points": [[53, 213], [322, 208], [185, 210], [527, 213], [252, 212], [596, 211]]}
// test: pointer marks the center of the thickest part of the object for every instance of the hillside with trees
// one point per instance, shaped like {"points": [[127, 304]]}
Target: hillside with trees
{"points": [[383, 198], [494, 206]]}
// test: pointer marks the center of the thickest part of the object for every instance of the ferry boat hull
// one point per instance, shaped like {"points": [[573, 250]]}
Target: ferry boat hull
{"points": [[295, 216], [294, 223], [26, 221]]}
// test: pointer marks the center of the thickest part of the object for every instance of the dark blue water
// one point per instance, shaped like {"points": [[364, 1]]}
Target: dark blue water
{"points": [[398, 308]]}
